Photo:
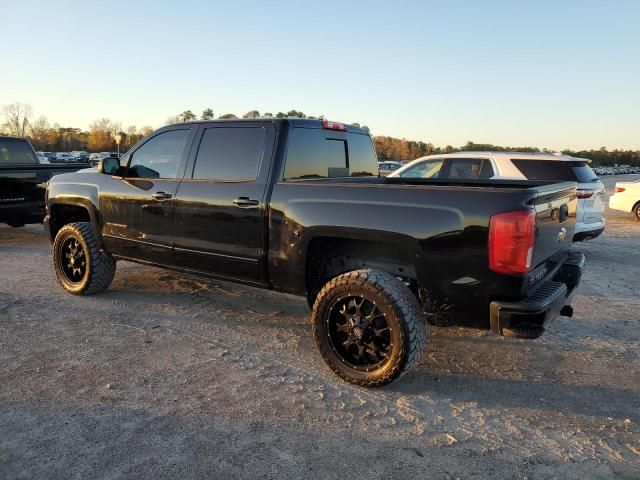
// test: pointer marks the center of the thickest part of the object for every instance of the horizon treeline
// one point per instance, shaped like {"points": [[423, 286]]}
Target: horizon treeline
{"points": [[101, 137]]}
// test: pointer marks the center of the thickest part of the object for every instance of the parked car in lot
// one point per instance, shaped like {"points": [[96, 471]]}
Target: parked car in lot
{"points": [[616, 170], [64, 157], [514, 165], [298, 206], [51, 156], [42, 158], [81, 156], [21, 173], [95, 158], [626, 198], [385, 168]]}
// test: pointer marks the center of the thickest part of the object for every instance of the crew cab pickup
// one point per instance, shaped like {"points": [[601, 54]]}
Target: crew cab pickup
{"points": [[21, 174], [298, 206]]}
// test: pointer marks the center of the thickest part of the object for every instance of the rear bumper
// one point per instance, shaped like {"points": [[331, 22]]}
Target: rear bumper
{"points": [[526, 318], [588, 234]]}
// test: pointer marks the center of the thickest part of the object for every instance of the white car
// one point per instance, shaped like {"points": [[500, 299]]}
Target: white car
{"points": [[521, 166], [627, 198]]}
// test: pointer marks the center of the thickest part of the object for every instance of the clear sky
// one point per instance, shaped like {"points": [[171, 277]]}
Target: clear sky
{"points": [[556, 74]]}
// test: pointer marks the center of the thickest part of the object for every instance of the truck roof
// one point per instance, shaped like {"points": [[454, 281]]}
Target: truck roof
{"points": [[294, 122], [13, 137]]}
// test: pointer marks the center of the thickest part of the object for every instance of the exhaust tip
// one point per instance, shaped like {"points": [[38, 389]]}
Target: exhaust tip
{"points": [[567, 311]]}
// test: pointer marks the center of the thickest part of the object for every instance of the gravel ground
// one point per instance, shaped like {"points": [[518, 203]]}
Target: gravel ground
{"points": [[170, 375]]}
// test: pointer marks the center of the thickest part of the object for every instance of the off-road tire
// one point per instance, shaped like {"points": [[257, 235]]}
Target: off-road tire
{"points": [[402, 313], [636, 212], [100, 266]]}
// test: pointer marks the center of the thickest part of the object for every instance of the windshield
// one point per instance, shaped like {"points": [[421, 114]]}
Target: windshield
{"points": [[16, 150]]}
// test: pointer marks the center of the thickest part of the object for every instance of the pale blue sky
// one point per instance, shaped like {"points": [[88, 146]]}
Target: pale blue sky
{"points": [[545, 73]]}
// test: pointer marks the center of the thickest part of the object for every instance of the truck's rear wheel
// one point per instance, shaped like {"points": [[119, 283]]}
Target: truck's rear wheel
{"points": [[81, 268], [368, 327]]}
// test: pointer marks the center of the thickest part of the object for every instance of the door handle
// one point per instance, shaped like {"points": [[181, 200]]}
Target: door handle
{"points": [[245, 202], [161, 196]]}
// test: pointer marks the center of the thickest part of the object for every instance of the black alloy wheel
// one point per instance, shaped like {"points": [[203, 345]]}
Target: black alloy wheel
{"points": [[358, 332], [368, 326], [81, 267], [73, 259]]}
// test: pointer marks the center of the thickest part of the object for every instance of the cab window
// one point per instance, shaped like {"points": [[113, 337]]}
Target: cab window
{"points": [[15, 150], [230, 153], [160, 156], [316, 154]]}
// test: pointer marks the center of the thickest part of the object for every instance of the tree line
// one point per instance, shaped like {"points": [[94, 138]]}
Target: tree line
{"points": [[390, 148], [102, 132]]}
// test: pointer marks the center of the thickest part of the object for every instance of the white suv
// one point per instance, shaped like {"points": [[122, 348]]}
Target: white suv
{"points": [[521, 166]]}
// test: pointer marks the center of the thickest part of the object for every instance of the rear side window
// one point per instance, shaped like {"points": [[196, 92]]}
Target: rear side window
{"points": [[555, 170], [317, 153], [13, 150], [466, 168], [230, 153]]}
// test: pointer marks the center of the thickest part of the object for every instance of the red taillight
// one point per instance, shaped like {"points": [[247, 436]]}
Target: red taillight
{"points": [[511, 241], [620, 189], [585, 193], [329, 125]]}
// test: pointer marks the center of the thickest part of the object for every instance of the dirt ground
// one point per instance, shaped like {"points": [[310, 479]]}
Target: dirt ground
{"points": [[168, 375]]}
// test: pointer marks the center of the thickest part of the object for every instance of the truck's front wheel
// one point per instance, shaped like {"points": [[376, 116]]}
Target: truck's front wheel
{"points": [[369, 327], [81, 268]]}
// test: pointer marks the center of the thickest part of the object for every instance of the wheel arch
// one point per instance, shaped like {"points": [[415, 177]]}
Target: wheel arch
{"points": [[330, 256], [71, 210]]}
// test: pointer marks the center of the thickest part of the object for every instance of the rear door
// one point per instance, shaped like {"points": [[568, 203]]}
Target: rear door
{"points": [[220, 205]]}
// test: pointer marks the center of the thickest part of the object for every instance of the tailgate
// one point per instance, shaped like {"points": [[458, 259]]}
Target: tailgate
{"points": [[555, 207], [19, 184]]}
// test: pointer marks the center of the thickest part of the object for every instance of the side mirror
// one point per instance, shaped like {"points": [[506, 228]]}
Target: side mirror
{"points": [[109, 165]]}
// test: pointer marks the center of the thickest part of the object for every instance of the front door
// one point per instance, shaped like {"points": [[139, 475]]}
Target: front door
{"points": [[138, 208], [220, 207]]}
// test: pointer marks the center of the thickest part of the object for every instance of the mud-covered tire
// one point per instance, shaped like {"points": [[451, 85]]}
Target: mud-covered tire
{"points": [[99, 267], [401, 311], [636, 212]]}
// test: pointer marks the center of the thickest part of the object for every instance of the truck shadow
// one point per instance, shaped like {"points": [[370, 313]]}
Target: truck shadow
{"points": [[547, 395]]}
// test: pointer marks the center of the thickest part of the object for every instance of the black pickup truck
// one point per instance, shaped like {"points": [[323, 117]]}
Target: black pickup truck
{"points": [[21, 178], [298, 206]]}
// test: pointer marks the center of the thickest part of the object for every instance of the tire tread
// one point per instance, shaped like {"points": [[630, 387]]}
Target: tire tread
{"points": [[401, 300], [102, 266]]}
